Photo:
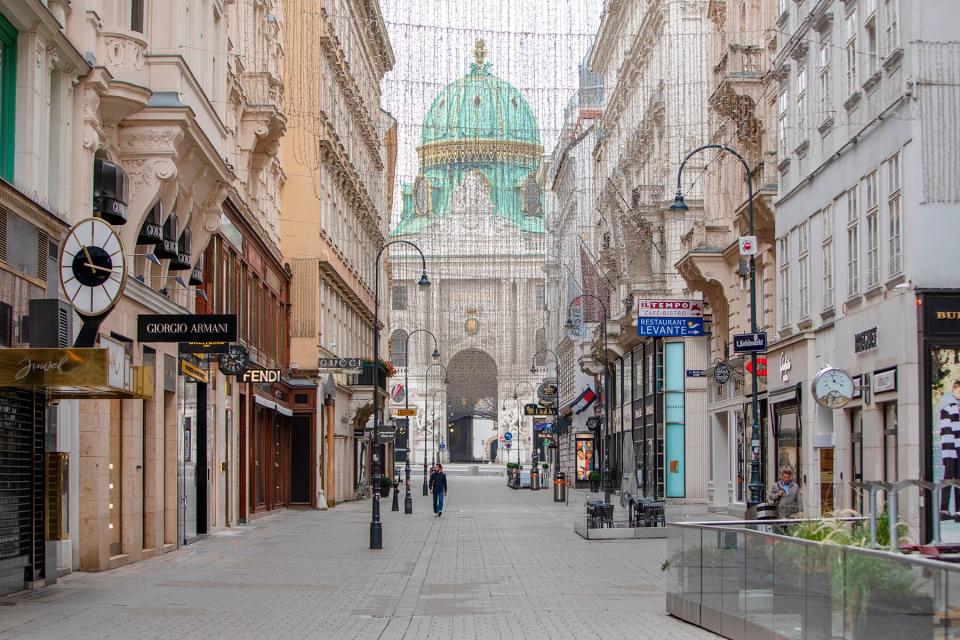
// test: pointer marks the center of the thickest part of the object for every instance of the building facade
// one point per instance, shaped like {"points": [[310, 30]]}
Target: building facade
{"points": [[339, 163], [741, 113], [866, 212], [475, 210], [570, 271], [655, 95]]}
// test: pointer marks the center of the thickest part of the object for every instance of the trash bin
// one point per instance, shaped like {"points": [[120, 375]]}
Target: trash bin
{"points": [[766, 511], [560, 487]]}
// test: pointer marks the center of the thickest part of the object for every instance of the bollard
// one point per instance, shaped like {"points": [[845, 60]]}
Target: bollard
{"points": [[560, 487]]}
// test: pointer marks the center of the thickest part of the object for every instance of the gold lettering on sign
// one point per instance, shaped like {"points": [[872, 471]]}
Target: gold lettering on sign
{"points": [[948, 315]]}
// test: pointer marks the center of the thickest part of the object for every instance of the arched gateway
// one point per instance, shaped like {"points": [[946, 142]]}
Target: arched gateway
{"points": [[471, 405]]}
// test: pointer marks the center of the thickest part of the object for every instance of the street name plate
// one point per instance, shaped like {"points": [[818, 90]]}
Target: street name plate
{"points": [[406, 413]]}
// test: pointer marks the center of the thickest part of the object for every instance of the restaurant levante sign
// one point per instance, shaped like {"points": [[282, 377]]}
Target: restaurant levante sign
{"points": [[76, 373], [187, 328]]}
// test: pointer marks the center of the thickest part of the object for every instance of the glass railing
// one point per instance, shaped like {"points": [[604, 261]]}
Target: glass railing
{"points": [[742, 583]]}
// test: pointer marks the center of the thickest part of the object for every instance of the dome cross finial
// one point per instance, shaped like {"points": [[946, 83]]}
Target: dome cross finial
{"points": [[480, 52]]}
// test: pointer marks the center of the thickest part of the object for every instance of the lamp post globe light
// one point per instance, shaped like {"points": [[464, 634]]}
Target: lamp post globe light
{"points": [[408, 498], [755, 486], [533, 369], [376, 527], [426, 374], [606, 391]]}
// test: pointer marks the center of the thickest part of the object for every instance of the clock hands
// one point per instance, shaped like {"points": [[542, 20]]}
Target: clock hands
{"points": [[93, 266], [89, 259]]}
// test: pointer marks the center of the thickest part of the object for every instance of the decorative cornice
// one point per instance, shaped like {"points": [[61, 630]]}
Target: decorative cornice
{"points": [[458, 151]]}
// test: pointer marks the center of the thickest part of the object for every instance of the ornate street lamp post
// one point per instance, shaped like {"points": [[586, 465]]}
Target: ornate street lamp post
{"points": [[408, 499], [376, 527], [606, 392], [426, 373], [756, 486], [533, 369]]}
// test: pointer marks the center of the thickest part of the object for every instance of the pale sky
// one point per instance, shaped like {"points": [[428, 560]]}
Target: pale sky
{"points": [[536, 45]]}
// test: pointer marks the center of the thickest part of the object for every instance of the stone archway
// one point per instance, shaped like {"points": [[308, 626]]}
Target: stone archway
{"points": [[471, 405]]}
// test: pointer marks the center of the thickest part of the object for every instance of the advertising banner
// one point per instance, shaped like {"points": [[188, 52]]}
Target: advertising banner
{"points": [[945, 429], [584, 457]]}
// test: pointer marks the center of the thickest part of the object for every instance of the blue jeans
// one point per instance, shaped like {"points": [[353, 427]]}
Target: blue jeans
{"points": [[437, 501]]}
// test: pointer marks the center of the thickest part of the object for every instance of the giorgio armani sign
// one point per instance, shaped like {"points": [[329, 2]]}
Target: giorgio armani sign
{"points": [[187, 328]]}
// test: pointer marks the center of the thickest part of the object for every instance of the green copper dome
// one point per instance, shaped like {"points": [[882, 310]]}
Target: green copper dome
{"points": [[477, 125], [480, 106]]}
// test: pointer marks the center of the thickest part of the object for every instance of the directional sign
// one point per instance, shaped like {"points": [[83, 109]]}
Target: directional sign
{"points": [[406, 413], [748, 342], [670, 327], [669, 309], [535, 410], [508, 436], [442, 446]]}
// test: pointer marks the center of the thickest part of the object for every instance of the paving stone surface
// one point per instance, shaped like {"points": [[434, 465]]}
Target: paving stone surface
{"points": [[500, 563]]}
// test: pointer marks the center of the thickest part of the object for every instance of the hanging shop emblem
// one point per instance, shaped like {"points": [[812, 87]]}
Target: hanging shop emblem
{"points": [[547, 394], [722, 373]]}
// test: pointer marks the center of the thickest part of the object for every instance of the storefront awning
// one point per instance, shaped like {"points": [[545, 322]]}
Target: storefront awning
{"points": [[77, 373], [273, 406]]}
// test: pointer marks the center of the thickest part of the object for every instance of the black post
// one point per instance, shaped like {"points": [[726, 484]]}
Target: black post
{"points": [[376, 527], [756, 485], [408, 499]]}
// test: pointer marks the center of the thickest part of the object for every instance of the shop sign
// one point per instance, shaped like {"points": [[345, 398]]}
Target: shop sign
{"points": [[53, 367], [406, 412], [535, 410], [386, 436], [187, 328], [749, 342], [941, 314], [193, 371], [785, 366], [669, 318], [884, 380], [204, 347], [721, 373], [547, 394], [865, 340], [263, 376], [340, 363]]}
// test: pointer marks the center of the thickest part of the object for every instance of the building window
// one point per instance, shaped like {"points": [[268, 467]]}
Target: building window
{"points": [[782, 123], [870, 29], [803, 269], [8, 97], [802, 99], [893, 206], [853, 244], [850, 31], [541, 297], [136, 15], [827, 246], [873, 231], [398, 297], [398, 348], [823, 77], [540, 341], [892, 19], [783, 255]]}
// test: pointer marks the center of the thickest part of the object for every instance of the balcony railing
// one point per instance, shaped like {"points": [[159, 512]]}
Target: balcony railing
{"points": [[741, 61], [742, 583]]}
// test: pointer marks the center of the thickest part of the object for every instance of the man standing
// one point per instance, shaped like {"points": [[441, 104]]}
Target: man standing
{"points": [[438, 482], [786, 495]]}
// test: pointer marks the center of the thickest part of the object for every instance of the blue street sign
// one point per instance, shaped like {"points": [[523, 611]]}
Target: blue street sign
{"points": [[508, 436], [748, 342], [695, 373], [670, 327], [442, 446]]}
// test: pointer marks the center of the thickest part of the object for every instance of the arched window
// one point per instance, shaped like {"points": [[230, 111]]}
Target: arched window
{"points": [[540, 340], [398, 348]]}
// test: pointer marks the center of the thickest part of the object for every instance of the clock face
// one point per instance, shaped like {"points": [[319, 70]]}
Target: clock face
{"points": [[234, 362], [93, 268], [833, 388]]}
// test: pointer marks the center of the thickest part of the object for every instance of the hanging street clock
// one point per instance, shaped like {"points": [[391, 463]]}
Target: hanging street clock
{"points": [[93, 270]]}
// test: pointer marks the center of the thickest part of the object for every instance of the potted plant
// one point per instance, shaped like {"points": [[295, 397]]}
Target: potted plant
{"points": [[594, 478], [545, 466], [386, 482]]}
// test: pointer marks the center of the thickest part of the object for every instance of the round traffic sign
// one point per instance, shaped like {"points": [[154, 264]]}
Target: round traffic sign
{"points": [[508, 436], [507, 445]]}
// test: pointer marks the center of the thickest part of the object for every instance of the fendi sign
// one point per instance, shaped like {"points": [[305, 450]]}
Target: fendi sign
{"points": [[261, 375]]}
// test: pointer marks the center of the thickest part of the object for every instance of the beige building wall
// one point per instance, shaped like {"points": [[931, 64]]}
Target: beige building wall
{"points": [[335, 205]]}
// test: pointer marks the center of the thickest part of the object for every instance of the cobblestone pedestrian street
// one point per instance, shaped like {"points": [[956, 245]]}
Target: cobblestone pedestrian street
{"points": [[499, 564]]}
